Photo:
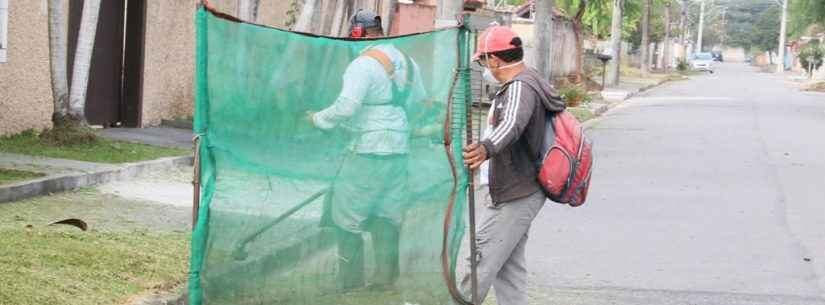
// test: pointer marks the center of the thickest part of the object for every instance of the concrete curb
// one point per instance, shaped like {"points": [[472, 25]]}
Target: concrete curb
{"points": [[72, 181], [598, 112]]}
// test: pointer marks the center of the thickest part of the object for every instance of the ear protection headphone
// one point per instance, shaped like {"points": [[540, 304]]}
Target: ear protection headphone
{"points": [[357, 29]]}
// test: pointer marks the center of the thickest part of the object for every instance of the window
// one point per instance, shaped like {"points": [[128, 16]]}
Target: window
{"points": [[4, 29]]}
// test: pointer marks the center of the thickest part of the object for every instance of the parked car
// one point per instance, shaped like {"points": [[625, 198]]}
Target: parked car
{"points": [[717, 56], [702, 62]]}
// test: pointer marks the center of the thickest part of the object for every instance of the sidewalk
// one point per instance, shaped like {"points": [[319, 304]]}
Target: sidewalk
{"points": [[627, 88], [63, 174], [157, 136]]}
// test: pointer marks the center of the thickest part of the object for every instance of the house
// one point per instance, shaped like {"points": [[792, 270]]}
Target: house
{"points": [[143, 61], [563, 57], [142, 64]]}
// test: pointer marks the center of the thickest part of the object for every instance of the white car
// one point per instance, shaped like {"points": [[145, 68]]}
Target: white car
{"points": [[702, 62]]}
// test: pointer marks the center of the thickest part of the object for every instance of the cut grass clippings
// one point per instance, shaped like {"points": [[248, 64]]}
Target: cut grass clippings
{"points": [[101, 150], [63, 265], [12, 175], [41, 264]]}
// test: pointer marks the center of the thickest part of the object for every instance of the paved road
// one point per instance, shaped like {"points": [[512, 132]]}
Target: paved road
{"points": [[708, 191]]}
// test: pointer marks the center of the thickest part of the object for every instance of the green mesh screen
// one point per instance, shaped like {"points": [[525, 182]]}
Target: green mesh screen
{"points": [[352, 210]]}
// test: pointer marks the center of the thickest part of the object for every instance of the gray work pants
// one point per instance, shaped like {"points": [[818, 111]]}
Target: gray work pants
{"points": [[501, 238]]}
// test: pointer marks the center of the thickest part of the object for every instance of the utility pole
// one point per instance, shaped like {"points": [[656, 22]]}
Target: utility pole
{"points": [[683, 28], [780, 68], [667, 42], [724, 26], [701, 26], [645, 45], [615, 44], [543, 34]]}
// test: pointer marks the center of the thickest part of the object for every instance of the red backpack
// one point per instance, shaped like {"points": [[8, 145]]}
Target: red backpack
{"points": [[567, 159]]}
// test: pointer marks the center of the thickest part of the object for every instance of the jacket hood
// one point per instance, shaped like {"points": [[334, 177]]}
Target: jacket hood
{"points": [[551, 100]]}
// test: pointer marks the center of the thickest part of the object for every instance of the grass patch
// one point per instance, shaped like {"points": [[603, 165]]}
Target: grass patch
{"points": [[100, 150], [676, 76], [13, 175], [60, 265], [108, 264], [630, 71], [581, 113]]}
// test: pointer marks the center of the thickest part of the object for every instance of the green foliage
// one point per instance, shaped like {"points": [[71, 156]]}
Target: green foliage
{"points": [[574, 95], [516, 2], [802, 14], [766, 31], [598, 14], [656, 31], [682, 65], [752, 24], [581, 113], [811, 54]]}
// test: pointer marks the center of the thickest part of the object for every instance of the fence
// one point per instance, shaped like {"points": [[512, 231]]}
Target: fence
{"points": [[564, 44]]}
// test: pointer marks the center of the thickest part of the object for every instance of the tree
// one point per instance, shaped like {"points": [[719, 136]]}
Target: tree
{"points": [[753, 24], [393, 8], [305, 18], [803, 15], [810, 57], [248, 10], [577, 31], [766, 30], [544, 32], [667, 44], [615, 44], [643, 66], [780, 68], [69, 118], [83, 60], [598, 16], [57, 58]]}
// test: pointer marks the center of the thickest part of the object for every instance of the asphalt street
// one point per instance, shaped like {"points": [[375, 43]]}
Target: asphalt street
{"points": [[705, 191]]}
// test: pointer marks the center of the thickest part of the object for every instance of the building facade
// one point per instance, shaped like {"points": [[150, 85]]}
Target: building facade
{"points": [[157, 57]]}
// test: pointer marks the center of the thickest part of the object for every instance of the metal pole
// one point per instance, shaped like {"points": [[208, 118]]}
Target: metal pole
{"points": [[780, 68], [196, 181], [604, 72], [701, 27], [465, 67]]}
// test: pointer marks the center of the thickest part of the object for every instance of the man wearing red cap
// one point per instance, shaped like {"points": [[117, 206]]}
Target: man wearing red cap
{"points": [[513, 148]]}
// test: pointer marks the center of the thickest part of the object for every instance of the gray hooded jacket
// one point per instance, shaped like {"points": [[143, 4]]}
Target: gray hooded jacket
{"points": [[514, 145]]}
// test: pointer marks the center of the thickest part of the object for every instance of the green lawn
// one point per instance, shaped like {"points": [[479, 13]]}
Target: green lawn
{"points": [[109, 264], [12, 175], [102, 150]]}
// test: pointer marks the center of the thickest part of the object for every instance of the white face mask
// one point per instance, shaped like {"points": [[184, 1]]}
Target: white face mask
{"points": [[488, 74]]}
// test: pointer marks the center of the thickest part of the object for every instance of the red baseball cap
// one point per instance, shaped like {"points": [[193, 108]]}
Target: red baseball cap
{"points": [[494, 39]]}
